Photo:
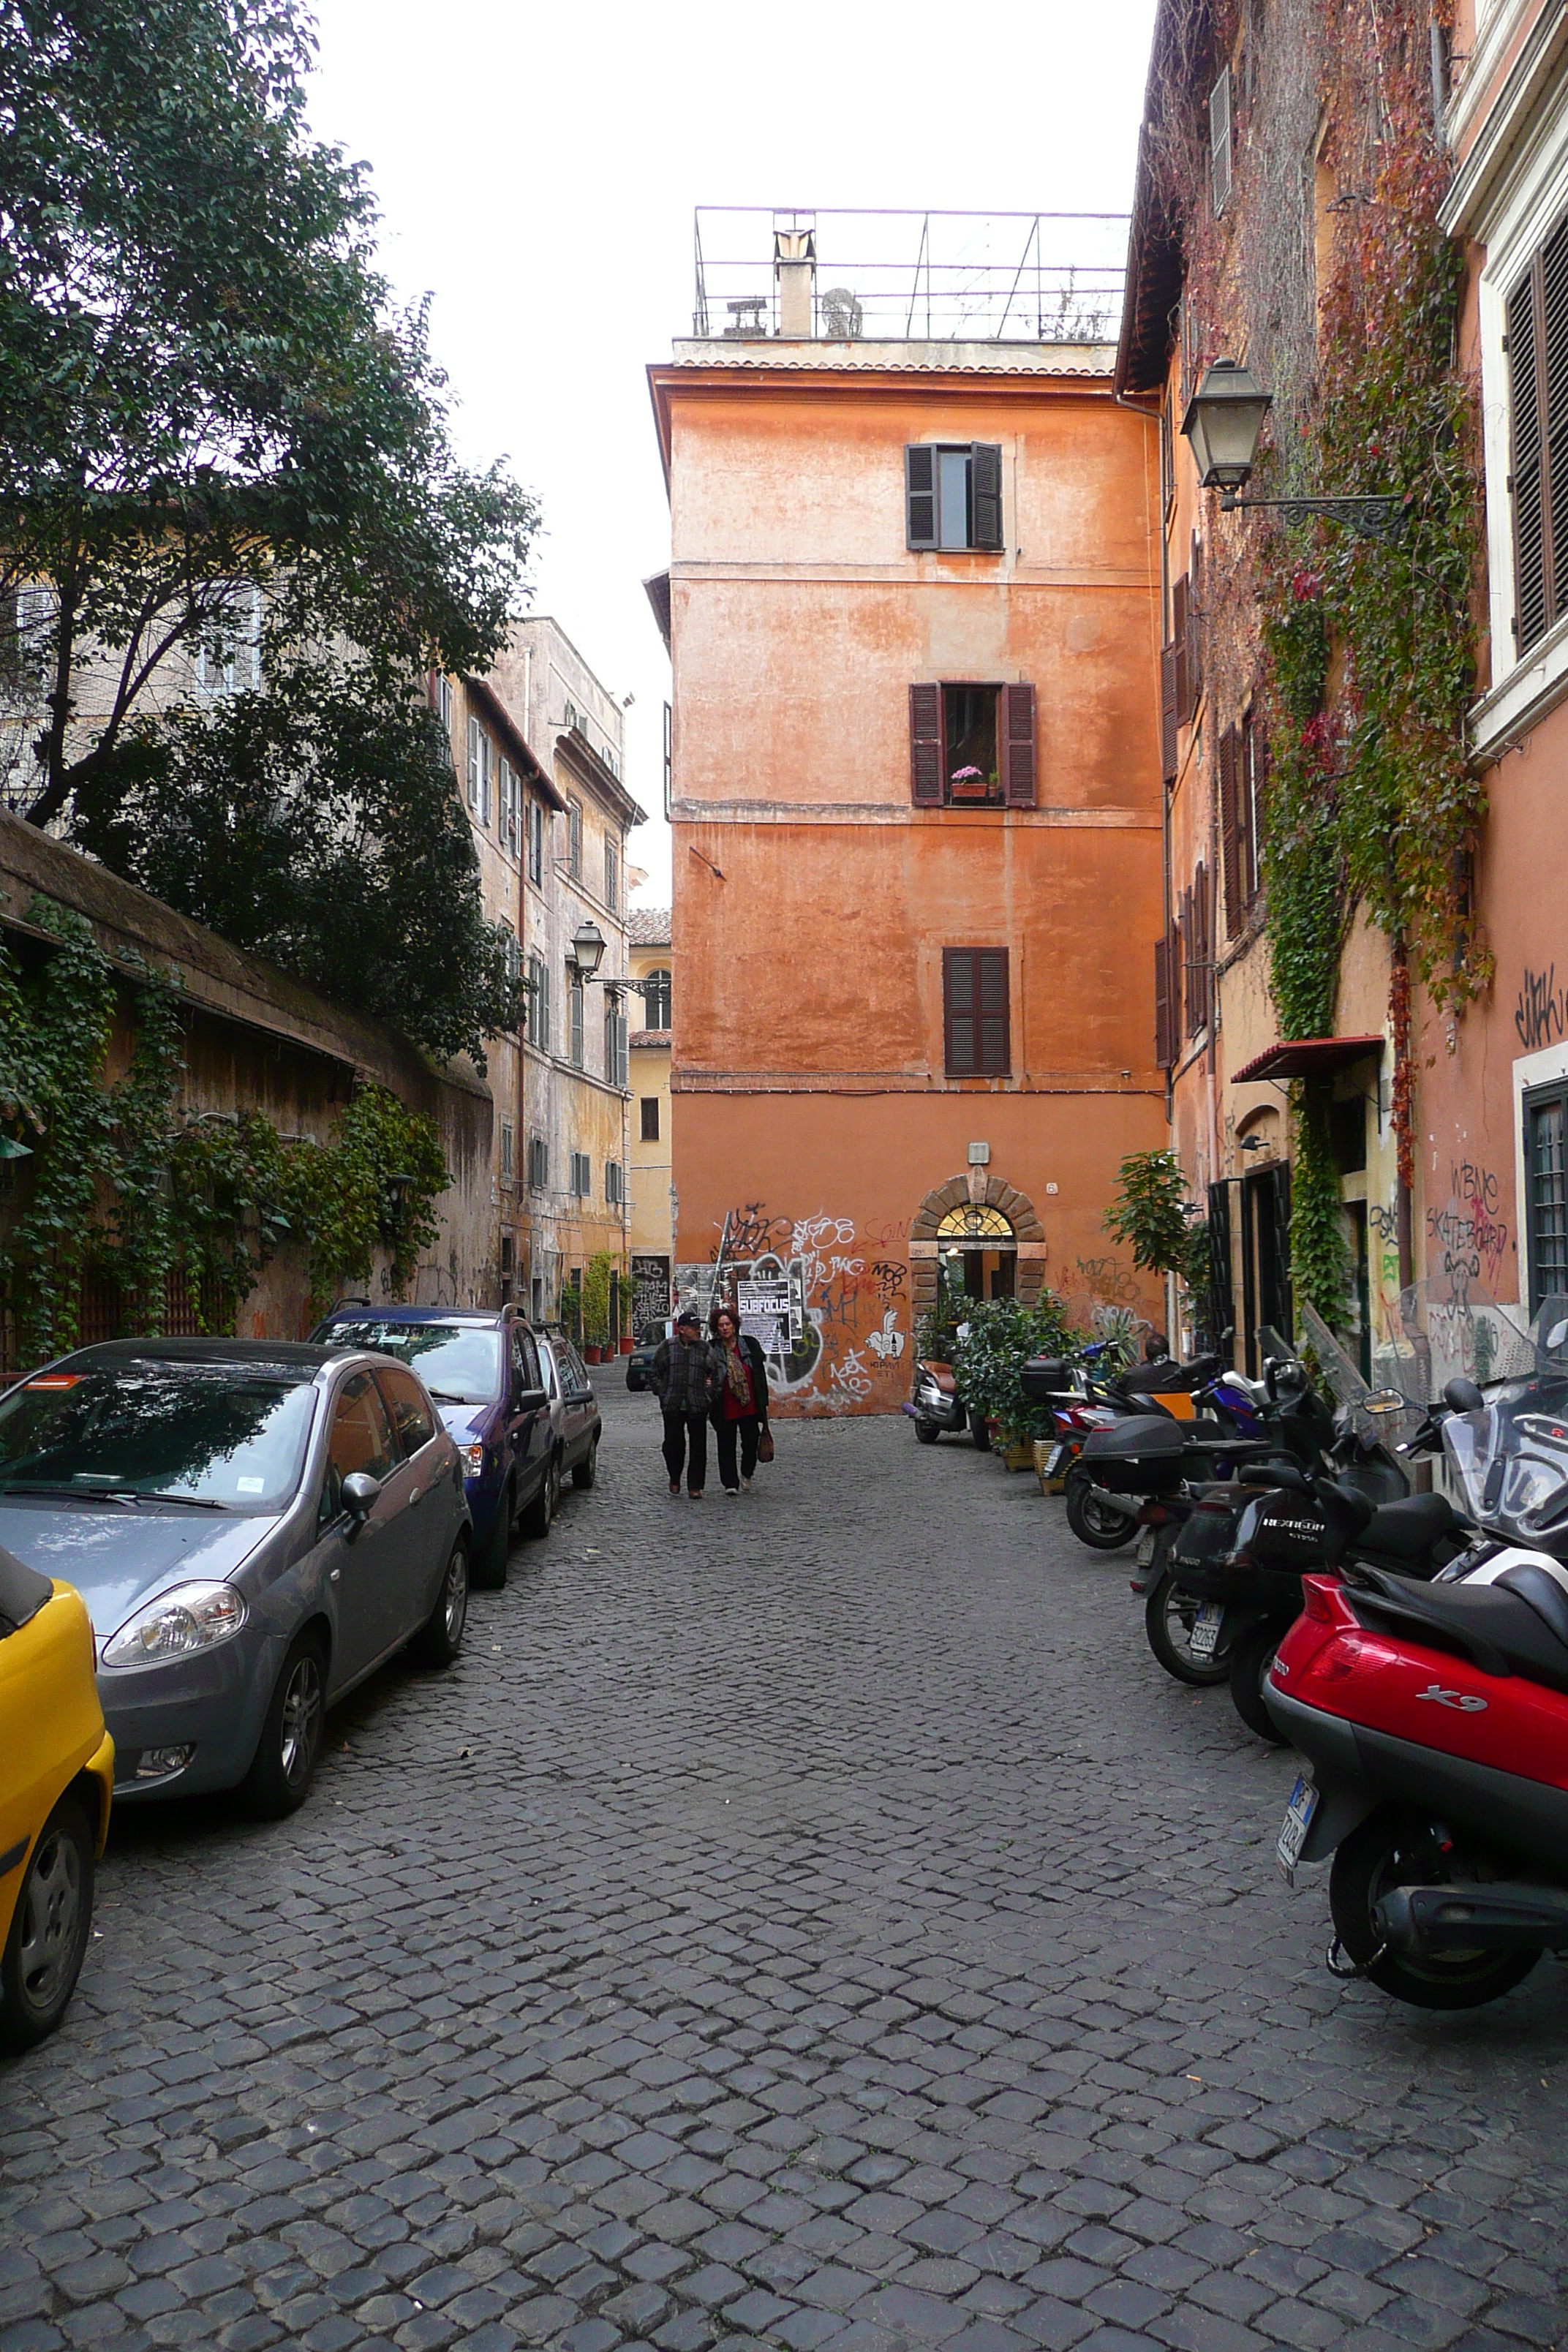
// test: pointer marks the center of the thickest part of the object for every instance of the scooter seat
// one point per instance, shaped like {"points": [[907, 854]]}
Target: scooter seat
{"points": [[1502, 1630], [1407, 1529], [1540, 1592]]}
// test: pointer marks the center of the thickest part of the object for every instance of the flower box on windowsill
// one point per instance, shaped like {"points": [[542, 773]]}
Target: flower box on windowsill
{"points": [[970, 788]]}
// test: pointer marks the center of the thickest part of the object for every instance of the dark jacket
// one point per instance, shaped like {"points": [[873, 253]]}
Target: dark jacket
{"points": [[758, 1365], [684, 1376]]}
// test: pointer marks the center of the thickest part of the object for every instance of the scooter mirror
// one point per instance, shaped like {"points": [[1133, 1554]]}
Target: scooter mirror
{"points": [[1461, 1395], [1384, 1401]]}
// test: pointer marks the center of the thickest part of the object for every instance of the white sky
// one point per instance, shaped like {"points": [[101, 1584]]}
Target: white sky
{"points": [[536, 170]]}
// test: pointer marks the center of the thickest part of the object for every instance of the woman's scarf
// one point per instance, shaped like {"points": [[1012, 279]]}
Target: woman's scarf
{"points": [[738, 1374]]}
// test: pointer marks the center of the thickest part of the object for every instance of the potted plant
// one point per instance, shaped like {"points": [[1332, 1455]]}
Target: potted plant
{"points": [[1001, 1336], [969, 785], [596, 1307]]}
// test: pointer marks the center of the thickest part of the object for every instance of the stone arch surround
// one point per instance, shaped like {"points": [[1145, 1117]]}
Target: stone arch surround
{"points": [[987, 1192]]}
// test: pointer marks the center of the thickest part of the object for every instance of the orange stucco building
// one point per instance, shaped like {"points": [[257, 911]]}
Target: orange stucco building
{"points": [[914, 1000]]}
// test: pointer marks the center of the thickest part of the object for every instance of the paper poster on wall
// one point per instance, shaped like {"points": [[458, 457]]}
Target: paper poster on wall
{"points": [[765, 1314]]}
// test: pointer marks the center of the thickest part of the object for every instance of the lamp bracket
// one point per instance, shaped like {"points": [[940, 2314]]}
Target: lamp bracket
{"points": [[1370, 517]]}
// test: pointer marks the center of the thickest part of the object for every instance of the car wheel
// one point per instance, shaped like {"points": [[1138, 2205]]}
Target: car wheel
{"points": [[489, 1567], [539, 1515], [284, 1765], [48, 1935], [587, 1470], [440, 1637]]}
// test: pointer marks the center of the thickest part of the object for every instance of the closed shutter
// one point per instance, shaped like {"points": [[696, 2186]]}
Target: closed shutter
{"points": [[926, 757], [1019, 705], [920, 495], [1203, 947], [1186, 1024], [985, 494], [1179, 651], [1195, 628], [1528, 499], [1165, 1035], [1230, 829], [576, 1007], [1168, 714], [1554, 372], [1255, 804], [976, 1011], [1220, 140]]}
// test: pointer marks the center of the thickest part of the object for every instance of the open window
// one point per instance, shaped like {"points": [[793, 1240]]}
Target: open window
{"points": [[972, 746], [952, 495]]}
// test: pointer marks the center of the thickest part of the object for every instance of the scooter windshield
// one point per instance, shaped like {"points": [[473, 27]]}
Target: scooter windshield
{"points": [[1512, 1460]]}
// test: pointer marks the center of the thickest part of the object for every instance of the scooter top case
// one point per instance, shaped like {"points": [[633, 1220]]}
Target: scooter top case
{"points": [[1277, 1537], [1152, 1455]]}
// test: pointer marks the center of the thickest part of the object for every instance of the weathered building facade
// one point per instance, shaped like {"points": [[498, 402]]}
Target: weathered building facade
{"points": [[652, 1192], [914, 605]]}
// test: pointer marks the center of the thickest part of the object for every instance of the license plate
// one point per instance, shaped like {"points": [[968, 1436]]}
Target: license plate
{"points": [[1054, 1460], [1293, 1831], [1145, 1552], [1205, 1639]]}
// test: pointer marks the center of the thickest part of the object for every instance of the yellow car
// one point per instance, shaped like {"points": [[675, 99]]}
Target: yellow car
{"points": [[56, 1777]]}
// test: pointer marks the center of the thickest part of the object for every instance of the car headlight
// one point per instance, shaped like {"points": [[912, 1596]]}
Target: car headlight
{"points": [[473, 1460], [192, 1617]]}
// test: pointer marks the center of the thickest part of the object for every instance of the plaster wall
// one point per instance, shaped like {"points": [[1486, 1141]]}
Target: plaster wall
{"points": [[812, 1110]]}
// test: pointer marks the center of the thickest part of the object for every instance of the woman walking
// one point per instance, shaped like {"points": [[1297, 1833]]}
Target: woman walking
{"points": [[740, 1408], [684, 1376]]}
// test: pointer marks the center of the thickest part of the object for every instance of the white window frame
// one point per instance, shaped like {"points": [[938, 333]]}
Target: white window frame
{"points": [[1530, 198], [510, 808], [535, 831], [239, 670]]}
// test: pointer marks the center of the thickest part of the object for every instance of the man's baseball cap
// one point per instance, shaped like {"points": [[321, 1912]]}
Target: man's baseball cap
{"points": [[688, 1315]]}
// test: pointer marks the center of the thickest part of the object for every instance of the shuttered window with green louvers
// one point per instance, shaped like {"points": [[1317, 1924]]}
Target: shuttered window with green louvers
{"points": [[952, 496]]}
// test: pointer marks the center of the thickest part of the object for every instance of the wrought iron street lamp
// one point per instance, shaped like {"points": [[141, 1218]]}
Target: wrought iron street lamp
{"points": [[587, 948], [1224, 419]]}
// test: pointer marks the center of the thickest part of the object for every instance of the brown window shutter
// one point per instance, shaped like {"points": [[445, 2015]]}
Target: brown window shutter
{"points": [[985, 494], [920, 494], [1230, 829], [1555, 406], [1530, 506], [1187, 1024], [1195, 627], [991, 989], [1168, 714], [1256, 788], [958, 1011], [1164, 1041], [1203, 948], [1179, 650], [1019, 708], [926, 760]]}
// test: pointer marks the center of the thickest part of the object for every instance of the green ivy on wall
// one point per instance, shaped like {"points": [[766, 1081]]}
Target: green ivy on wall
{"points": [[121, 1184]]}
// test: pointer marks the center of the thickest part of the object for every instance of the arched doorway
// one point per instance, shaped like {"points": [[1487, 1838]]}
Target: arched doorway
{"points": [[978, 1252], [977, 1215]]}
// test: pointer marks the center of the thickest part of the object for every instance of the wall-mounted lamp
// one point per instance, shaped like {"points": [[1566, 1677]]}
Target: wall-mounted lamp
{"points": [[1224, 419], [587, 948]]}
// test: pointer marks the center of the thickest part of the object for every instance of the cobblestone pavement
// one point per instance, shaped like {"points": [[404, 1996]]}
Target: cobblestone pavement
{"points": [[806, 1920]]}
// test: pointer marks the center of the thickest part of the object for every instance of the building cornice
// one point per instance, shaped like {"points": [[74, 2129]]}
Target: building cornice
{"points": [[1479, 184], [590, 769]]}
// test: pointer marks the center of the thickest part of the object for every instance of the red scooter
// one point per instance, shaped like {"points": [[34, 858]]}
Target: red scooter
{"points": [[1434, 1718]]}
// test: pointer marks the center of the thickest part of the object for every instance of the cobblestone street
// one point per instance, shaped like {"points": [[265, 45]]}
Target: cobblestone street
{"points": [[807, 1920]]}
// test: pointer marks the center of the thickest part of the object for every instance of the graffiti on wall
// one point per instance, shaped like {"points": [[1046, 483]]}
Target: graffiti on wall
{"points": [[850, 1311], [1541, 1008], [1468, 1240]]}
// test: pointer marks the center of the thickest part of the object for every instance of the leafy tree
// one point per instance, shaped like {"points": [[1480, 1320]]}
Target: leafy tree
{"points": [[1152, 1212], [319, 827], [210, 411]]}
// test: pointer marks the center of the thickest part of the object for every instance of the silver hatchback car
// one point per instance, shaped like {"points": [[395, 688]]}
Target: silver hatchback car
{"points": [[254, 1526]]}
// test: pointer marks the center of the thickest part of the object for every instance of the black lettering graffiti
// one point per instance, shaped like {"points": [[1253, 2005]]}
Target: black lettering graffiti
{"points": [[1467, 1241], [1109, 1279], [1541, 1008], [1385, 1222], [889, 1279], [748, 1233], [1478, 1185]]}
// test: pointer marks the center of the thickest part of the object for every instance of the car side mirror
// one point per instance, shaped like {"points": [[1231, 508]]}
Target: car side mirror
{"points": [[1461, 1395], [528, 1399], [358, 1494]]}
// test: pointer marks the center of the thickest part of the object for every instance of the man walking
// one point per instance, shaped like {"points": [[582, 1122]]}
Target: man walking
{"points": [[685, 1378]]}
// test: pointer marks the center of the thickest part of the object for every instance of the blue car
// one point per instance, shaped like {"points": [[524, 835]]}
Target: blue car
{"points": [[504, 1399]]}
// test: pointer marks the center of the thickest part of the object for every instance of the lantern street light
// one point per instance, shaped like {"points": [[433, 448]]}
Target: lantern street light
{"points": [[587, 948], [1224, 419]]}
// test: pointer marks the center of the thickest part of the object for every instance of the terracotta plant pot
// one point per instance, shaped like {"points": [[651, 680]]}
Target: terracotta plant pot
{"points": [[626, 1346], [592, 1355]]}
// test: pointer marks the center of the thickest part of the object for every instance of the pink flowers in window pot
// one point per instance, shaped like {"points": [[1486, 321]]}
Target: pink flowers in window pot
{"points": [[969, 785]]}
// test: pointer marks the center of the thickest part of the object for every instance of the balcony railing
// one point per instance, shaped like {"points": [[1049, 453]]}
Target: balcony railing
{"points": [[910, 276]]}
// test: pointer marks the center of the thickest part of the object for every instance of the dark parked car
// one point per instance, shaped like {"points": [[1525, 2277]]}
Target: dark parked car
{"points": [[517, 1416], [254, 1527], [640, 1361]]}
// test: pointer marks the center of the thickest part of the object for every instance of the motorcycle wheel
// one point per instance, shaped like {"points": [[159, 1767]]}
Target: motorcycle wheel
{"points": [[980, 1434], [1095, 1524], [1249, 1660], [927, 1431], [1168, 1615], [1393, 1848]]}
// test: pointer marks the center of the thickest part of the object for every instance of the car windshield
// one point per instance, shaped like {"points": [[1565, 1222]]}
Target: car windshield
{"points": [[215, 1433], [459, 1362]]}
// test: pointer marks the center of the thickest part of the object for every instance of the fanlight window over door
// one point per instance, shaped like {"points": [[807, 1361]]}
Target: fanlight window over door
{"points": [[974, 1227]]}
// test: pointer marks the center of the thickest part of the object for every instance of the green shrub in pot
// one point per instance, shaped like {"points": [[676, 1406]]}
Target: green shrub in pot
{"points": [[1000, 1338]]}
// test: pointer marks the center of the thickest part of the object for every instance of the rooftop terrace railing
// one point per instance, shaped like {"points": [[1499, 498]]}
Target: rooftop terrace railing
{"points": [[903, 276]]}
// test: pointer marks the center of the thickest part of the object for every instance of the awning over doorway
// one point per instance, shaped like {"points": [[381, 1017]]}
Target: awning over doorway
{"points": [[1306, 1057]]}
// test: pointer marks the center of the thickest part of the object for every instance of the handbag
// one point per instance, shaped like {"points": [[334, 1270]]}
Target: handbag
{"points": [[765, 1443]]}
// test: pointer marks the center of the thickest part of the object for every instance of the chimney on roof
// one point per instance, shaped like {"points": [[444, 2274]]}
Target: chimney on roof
{"points": [[795, 267]]}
